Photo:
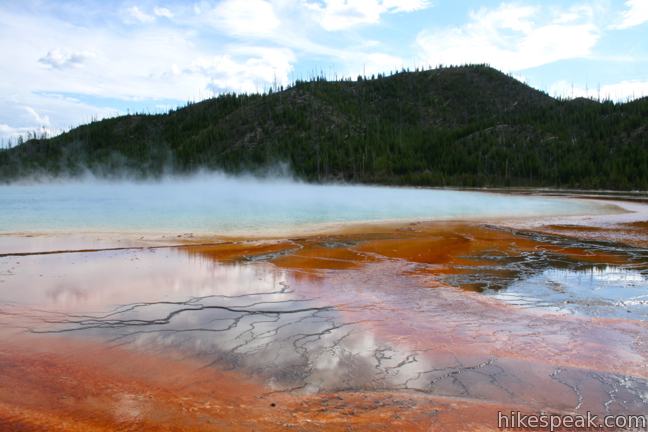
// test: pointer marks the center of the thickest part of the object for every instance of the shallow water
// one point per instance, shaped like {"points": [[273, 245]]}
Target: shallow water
{"points": [[227, 205], [605, 291], [360, 329], [358, 312], [374, 315]]}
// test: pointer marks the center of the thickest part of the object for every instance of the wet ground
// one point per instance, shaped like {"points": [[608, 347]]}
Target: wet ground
{"points": [[421, 326]]}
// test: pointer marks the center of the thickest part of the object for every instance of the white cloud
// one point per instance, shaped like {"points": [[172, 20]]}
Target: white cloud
{"points": [[405, 5], [636, 13], [42, 120], [248, 45], [162, 12], [252, 70], [244, 17], [375, 63], [141, 16], [621, 91], [126, 64], [342, 14], [512, 37], [136, 63], [136, 15], [58, 59], [28, 113]]}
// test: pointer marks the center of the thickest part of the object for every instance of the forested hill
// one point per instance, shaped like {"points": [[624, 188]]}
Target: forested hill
{"points": [[457, 126]]}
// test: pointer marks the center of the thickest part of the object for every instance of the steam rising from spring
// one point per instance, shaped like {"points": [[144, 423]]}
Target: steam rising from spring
{"points": [[217, 203]]}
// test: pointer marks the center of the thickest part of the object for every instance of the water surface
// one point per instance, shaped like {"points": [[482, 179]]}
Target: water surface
{"points": [[604, 291], [390, 310], [218, 204]]}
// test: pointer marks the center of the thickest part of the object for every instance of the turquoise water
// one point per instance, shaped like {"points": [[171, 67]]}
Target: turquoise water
{"points": [[220, 205]]}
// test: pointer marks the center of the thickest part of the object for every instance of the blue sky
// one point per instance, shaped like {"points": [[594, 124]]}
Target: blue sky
{"points": [[67, 62]]}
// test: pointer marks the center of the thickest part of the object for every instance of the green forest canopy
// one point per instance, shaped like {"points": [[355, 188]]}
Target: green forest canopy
{"points": [[453, 126]]}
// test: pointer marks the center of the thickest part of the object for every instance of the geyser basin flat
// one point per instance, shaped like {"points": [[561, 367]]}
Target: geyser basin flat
{"points": [[304, 324], [105, 316], [217, 204]]}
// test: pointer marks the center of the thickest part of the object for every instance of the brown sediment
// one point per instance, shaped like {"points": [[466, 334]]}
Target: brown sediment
{"points": [[638, 225], [583, 254], [430, 243], [437, 244], [500, 331], [66, 385], [459, 248], [315, 255], [305, 254], [445, 244], [233, 251], [375, 411], [631, 234], [63, 383], [571, 227]]}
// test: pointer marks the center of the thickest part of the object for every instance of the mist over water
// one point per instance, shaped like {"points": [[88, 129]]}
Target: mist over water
{"points": [[221, 204]]}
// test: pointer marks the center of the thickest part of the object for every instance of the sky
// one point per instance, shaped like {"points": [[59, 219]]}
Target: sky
{"points": [[69, 62]]}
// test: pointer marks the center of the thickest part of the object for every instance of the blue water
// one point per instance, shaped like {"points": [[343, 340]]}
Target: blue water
{"points": [[610, 291], [221, 205]]}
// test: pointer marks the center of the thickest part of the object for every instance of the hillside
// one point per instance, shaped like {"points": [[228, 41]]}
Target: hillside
{"points": [[458, 126]]}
